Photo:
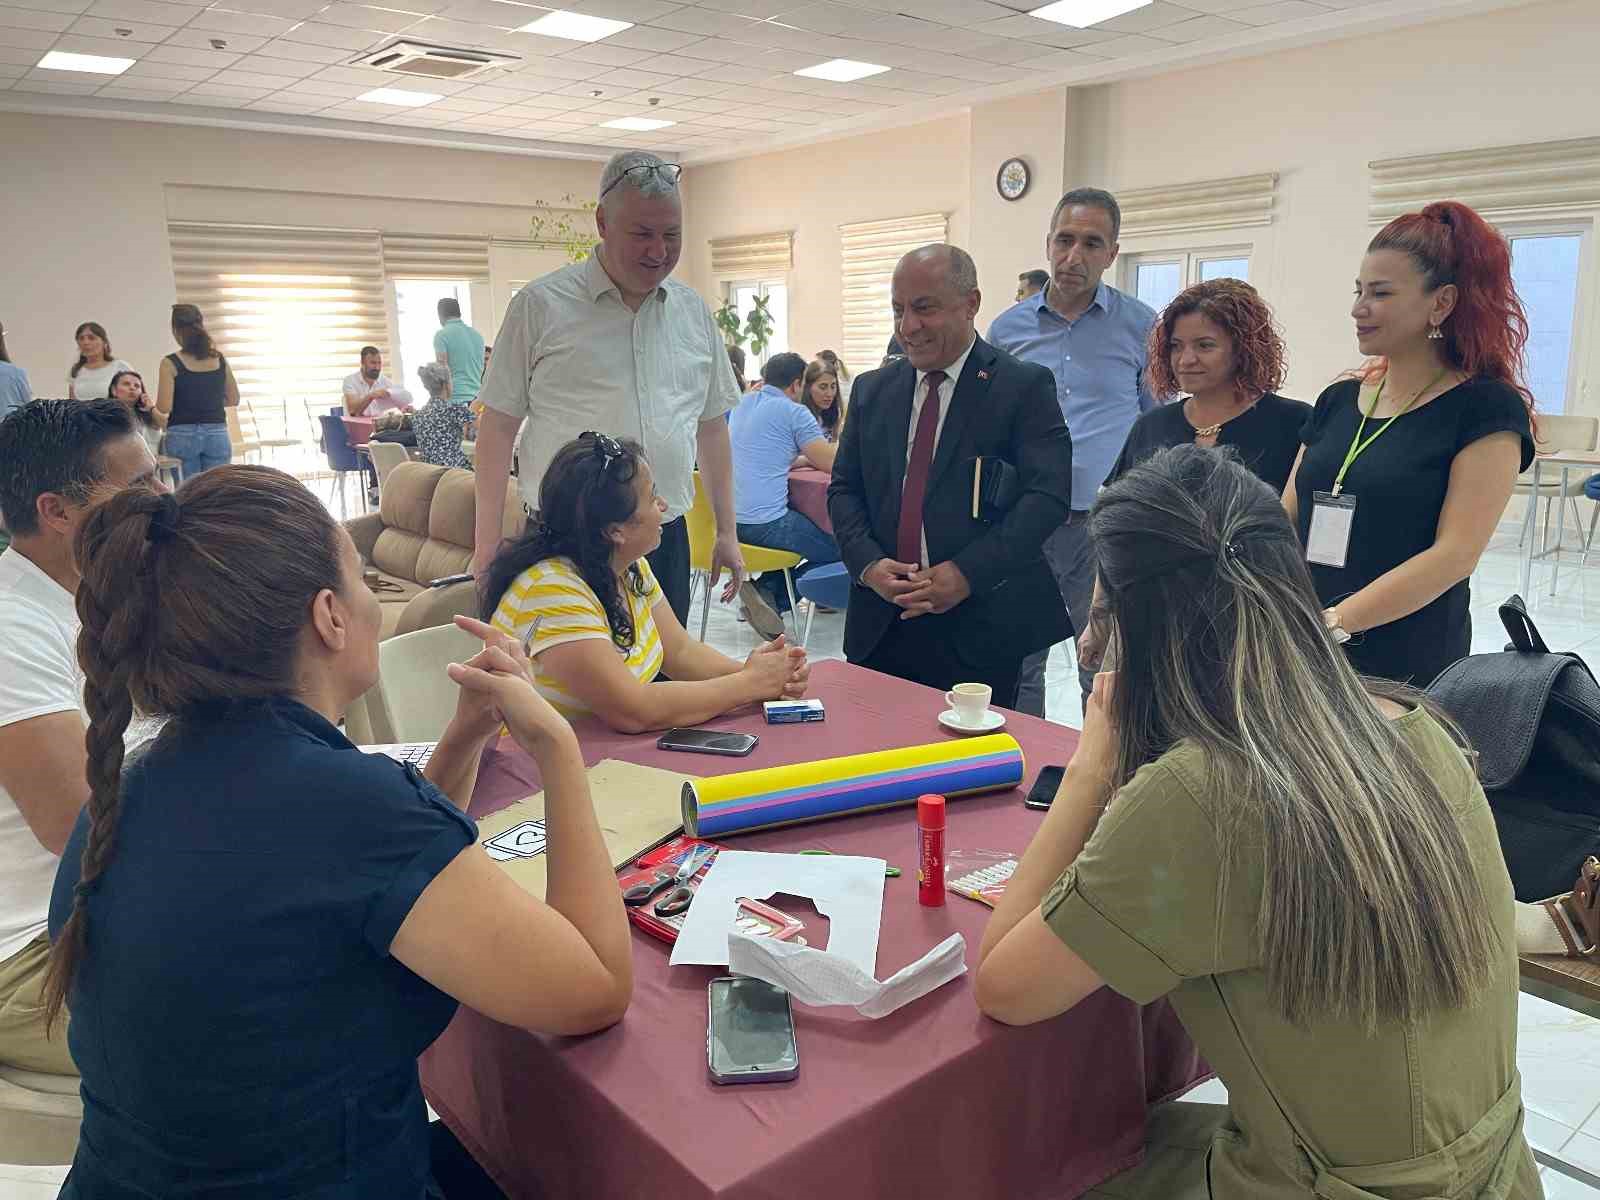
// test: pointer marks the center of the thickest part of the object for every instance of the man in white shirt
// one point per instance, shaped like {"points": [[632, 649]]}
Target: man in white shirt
{"points": [[369, 393], [615, 345], [61, 458]]}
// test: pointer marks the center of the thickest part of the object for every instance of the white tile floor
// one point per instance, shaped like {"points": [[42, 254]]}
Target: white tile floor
{"points": [[1558, 1050]]}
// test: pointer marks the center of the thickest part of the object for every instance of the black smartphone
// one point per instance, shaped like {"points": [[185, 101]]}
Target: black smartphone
{"points": [[467, 577], [708, 741], [1044, 788], [749, 1032]]}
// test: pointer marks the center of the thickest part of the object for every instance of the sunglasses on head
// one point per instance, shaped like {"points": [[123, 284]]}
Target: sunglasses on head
{"points": [[667, 172], [606, 448]]}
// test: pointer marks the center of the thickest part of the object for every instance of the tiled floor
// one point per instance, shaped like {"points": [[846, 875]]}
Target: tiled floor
{"points": [[1558, 1050]]}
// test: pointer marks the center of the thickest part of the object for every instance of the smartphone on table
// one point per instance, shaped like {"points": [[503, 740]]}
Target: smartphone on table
{"points": [[749, 1032], [708, 741], [1045, 787]]}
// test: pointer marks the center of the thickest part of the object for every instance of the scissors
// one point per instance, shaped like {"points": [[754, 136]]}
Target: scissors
{"points": [[639, 893]]}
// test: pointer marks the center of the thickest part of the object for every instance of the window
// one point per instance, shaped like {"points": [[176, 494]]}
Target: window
{"points": [[776, 293], [416, 304], [291, 309], [1544, 267], [1158, 276], [869, 251]]}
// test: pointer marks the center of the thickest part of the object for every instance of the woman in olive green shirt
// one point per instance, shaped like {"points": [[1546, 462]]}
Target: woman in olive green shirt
{"points": [[1301, 860]]}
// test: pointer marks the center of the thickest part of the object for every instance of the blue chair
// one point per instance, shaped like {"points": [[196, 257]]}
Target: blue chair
{"points": [[343, 460], [828, 586]]}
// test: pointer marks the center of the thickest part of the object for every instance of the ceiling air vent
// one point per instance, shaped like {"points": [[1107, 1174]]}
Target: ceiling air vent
{"points": [[433, 62]]}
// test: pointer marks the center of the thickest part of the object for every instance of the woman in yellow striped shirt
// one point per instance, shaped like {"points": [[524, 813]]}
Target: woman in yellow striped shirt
{"points": [[578, 592]]}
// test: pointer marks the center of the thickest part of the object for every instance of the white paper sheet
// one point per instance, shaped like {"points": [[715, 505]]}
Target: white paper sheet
{"points": [[821, 978], [845, 889]]}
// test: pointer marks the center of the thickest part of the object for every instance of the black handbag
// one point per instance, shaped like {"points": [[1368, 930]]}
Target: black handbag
{"points": [[1534, 719]]}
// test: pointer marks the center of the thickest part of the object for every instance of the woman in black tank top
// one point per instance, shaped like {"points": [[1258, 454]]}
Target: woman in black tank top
{"points": [[196, 395]]}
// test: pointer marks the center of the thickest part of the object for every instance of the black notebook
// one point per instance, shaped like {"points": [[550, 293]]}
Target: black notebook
{"points": [[994, 488]]}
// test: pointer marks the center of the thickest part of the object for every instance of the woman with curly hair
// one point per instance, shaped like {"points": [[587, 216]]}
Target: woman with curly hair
{"points": [[578, 592], [1407, 467], [1217, 342]]}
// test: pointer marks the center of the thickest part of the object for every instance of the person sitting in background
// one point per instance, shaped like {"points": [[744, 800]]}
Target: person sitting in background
{"points": [[127, 387], [1218, 343], [736, 361], [369, 393], [769, 429], [63, 457], [258, 927], [440, 424], [460, 347], [90, 377], [1249, 828], [841, 373], [194, 394], [822, 395], [15, 390], [1031, 283], [577, 591]]}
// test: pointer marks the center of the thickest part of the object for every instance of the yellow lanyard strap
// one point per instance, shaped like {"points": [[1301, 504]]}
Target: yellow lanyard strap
{"points": [[1357, 446]]}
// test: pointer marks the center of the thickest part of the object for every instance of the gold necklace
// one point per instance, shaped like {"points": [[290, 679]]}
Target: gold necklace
{"points": [[1211, 431]]}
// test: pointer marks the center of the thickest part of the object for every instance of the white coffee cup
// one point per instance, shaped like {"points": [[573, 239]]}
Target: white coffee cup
{"points": [[970, 702]]}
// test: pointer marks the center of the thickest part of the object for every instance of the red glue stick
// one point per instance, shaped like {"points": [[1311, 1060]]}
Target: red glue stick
{"points": [[930, 850]]}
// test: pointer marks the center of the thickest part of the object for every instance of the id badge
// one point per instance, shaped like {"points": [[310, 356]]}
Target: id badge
{"points": [[1328, 543]]}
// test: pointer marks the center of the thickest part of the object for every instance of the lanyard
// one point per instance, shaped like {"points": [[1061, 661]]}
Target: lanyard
{"points": [[1357, 446]]}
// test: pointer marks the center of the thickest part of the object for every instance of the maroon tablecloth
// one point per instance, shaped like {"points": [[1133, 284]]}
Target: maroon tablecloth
{"points": [[932, 1101], [808, 495], [359, 429]]}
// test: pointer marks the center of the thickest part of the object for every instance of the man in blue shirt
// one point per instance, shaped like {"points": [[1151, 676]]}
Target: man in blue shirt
{"points": [[771, 429], [459, 346], [1093, 339]]}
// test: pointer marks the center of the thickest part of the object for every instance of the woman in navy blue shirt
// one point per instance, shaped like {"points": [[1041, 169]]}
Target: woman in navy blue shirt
{"points": [[259, 927]]}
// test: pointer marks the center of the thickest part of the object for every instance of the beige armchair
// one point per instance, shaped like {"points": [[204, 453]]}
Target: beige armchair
{"points": [[423, 531]]}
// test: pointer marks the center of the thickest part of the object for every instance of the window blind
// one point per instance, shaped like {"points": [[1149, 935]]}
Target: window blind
{"points": [[870, 250], [420, 256], [291, 309], [761, 256]]}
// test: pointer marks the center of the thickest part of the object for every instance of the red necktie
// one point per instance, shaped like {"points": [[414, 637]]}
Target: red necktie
{"points": [[908, 538]]}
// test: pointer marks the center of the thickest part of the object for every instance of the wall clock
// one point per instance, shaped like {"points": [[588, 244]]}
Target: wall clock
{"points": [[1013, 179]]}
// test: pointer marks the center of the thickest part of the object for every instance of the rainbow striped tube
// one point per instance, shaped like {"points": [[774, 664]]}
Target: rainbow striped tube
{"points": [[839, 787]]}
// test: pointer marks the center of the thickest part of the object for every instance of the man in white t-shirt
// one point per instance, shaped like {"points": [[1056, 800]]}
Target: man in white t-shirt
{"points": [[369, 392], [61, 458]]}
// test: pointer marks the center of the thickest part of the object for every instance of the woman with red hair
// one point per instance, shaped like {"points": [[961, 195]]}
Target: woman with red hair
{"points": [[1217, 343], [1406, 469]]}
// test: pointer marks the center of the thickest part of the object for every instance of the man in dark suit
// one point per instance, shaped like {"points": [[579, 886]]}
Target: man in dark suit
{"points": [[944, 597]]}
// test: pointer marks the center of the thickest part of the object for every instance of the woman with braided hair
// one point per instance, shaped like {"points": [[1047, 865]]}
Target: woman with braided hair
{"points": [[577, 591], [258, 927]]}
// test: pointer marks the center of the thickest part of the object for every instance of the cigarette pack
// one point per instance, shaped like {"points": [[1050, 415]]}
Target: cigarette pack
{"points": [[789, 712]]}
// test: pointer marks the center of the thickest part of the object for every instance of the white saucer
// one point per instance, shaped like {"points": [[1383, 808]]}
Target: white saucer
{"points": [[992, 720]]}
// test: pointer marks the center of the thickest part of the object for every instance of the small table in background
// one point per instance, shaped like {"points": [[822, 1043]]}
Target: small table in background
{"points": [[1573, 983], [808, 496], [1566, 461]]}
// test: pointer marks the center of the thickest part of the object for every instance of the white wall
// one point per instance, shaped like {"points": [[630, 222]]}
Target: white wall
{"points": [[813, 191], [85, 204]]}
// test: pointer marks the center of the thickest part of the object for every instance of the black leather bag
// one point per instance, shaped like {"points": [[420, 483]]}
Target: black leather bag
{"points": [[1534, 719]]}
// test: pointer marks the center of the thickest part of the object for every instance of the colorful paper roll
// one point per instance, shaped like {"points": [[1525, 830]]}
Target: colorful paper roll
{"points": [[838, 787]]}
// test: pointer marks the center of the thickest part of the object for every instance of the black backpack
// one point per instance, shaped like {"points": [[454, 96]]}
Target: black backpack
{"points": [[1534, 719]]}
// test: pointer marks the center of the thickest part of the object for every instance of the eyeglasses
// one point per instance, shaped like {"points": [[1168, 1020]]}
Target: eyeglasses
{"points": [[606, 449], [668, 173]]}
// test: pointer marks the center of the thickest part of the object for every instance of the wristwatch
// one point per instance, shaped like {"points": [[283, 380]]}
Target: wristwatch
{"points": [[1336, 630]]}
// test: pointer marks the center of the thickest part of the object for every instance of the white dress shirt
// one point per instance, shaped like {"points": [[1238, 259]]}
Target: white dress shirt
{"points": [[571, 356], [358, 389], [947, 390]]}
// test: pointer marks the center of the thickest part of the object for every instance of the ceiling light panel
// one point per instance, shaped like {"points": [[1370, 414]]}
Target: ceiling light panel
{"points": [[842, 70]]}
